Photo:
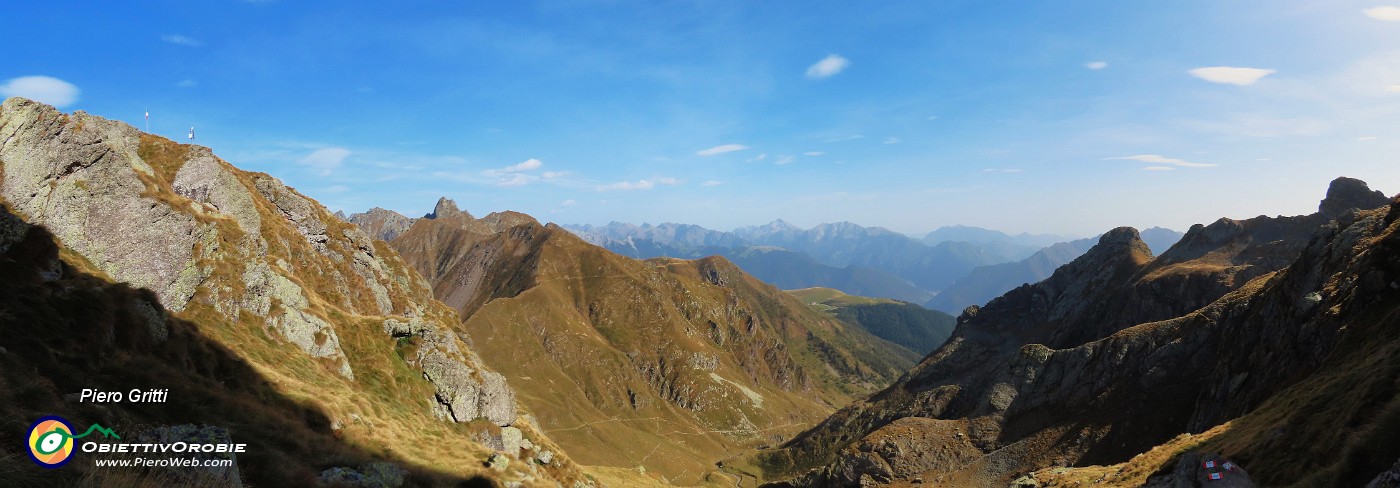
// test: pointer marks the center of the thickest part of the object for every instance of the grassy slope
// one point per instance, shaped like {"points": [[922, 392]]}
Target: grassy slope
{"points": [[610, 353], [915, 329]]}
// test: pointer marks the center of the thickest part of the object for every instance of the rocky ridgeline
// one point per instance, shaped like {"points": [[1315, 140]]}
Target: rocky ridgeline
{"points": [[214, 242], [1118, 352], [381, 224]]}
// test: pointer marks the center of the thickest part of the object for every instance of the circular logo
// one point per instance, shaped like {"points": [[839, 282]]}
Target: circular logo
{"points": [[51, 442]]}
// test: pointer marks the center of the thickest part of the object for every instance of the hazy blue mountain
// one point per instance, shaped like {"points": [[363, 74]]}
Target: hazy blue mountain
{"points": [[792, 270], [988, 282], [847, 244], [964, 233], [1160, 239]]}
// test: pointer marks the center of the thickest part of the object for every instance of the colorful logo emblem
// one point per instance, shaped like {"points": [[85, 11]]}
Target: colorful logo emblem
{"points": [[51, 442]]}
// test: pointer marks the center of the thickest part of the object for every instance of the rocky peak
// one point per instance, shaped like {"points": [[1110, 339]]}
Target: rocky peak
{"points": [[500, 221], [1348, 193], [382, 224], [446, 208]]}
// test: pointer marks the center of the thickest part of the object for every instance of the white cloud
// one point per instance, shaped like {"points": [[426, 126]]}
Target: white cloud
{"points": [[851, 137], [759, 157], [515, 179], [813, 153], [1229, 75], [187, 83], [1096, 65], [181, 40], [1001, 170], [549, 175], [1385, 12], [1393, 88], [1158, 168], [721, 149], [712, 183], [784, 160], [646, 184], [1367, 138], [568, 203], [326, 160], [828, 66], [525, 165], [1161, 160], [890, 140], [514, 175], [45, 89]]}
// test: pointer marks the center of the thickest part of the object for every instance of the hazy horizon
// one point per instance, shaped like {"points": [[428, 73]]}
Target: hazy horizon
{"points": [[909, 116]]}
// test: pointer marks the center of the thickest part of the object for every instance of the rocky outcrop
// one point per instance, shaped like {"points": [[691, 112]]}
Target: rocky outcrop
{"points": [[1390, 478], [371, 475], [238, 246], [81, 177], [221, 476], [1112, 355], [381, 224]]}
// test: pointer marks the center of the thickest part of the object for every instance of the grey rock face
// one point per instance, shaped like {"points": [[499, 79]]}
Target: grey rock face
{"points": [[84, 182], [510, 440], [298, 210], [497, 401], [204, 180]]}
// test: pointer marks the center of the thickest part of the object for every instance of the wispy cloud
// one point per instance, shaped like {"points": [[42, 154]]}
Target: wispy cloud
{"points": [[1385, 13], [828, 66], [1158, 168], [851, 137], [712, 183], [646, 184], [326, 160], [1096, 65], [759, 157], [890, 140], [525, 165], [784, 160], [813, 153], [1158, 159], [46, 89], [187, 83], [721, 149], [515, 174], [1001, 170], [568, 203], [1229, 75], [181, 40]]}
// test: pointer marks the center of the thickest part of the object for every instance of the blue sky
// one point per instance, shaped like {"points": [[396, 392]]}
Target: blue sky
{"points": [[1066, 117]]}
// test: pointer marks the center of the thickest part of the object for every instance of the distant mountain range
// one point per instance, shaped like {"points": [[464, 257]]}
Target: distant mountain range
{"points": [[950, 269], [987, 282]]}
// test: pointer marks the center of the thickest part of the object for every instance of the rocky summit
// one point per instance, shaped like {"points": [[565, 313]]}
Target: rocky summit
{"points": [[1254, 339], [327, 319]]}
